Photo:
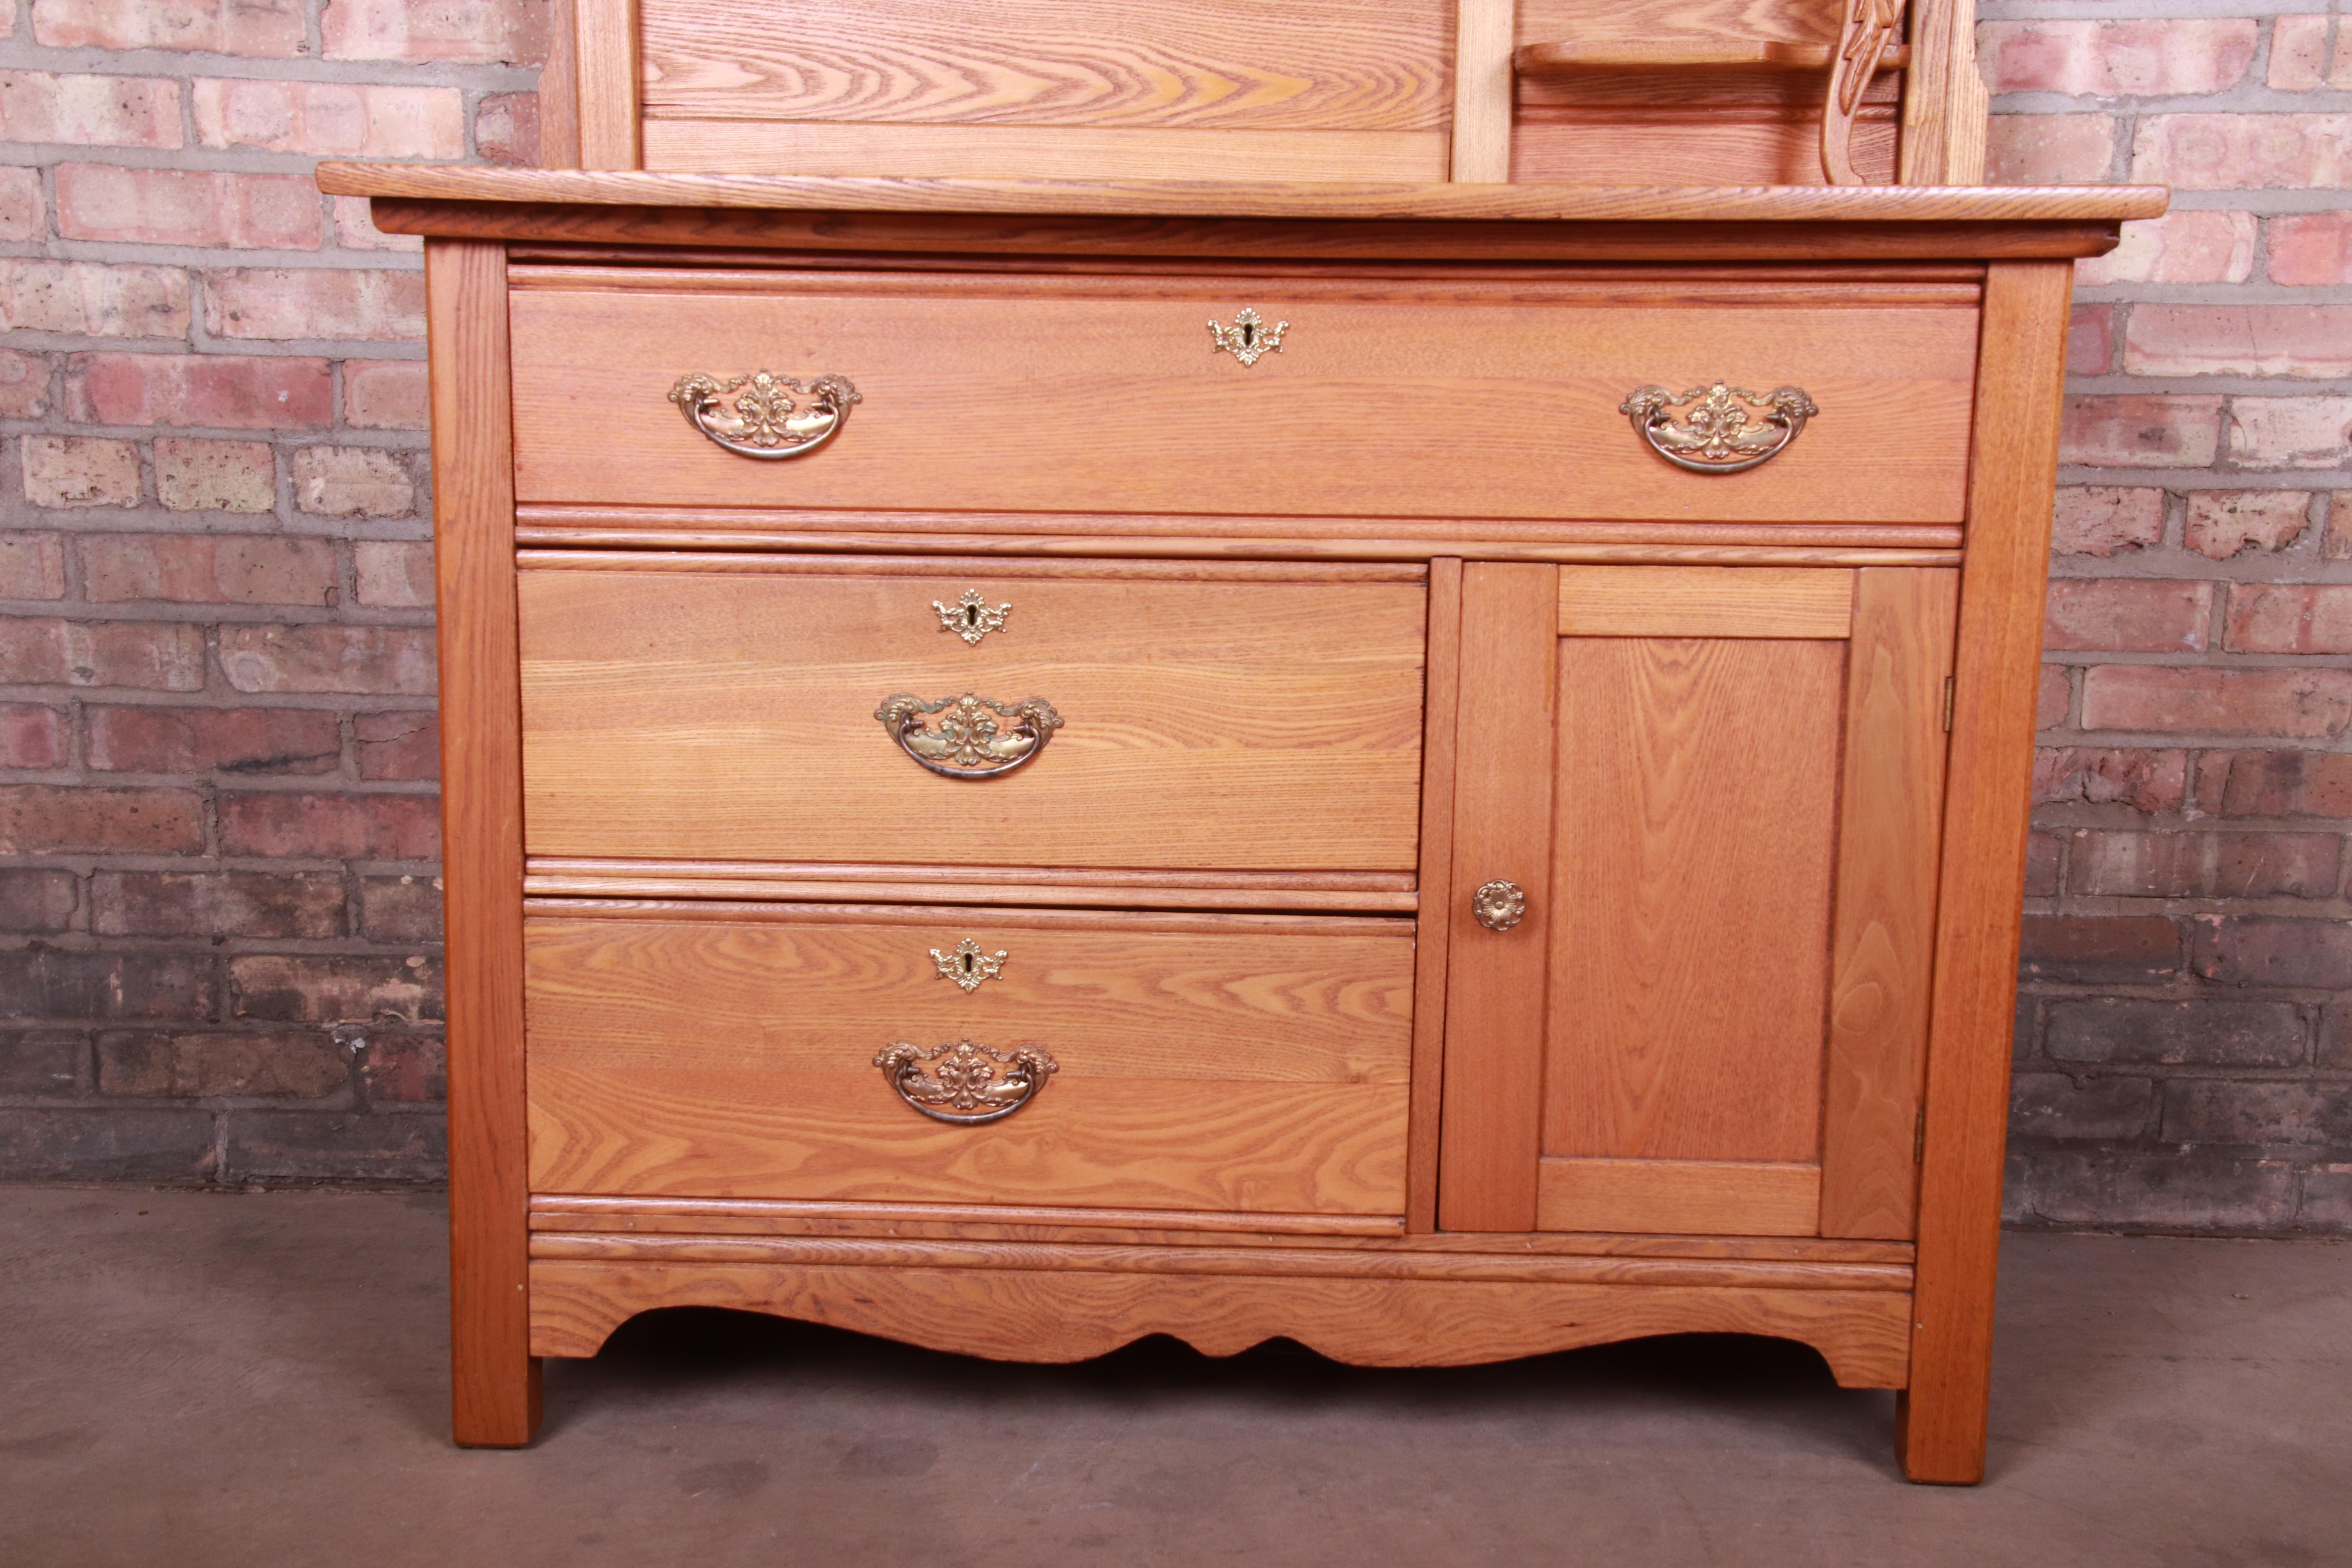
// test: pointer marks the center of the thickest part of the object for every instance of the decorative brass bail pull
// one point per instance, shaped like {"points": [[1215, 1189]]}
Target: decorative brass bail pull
{"points": [[1499, 905], [968, 742], [1719, 431], [964, 1089], [765, 421]]}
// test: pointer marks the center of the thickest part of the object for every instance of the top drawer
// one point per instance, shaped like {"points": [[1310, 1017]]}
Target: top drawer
{"points": [[1428, 398]]}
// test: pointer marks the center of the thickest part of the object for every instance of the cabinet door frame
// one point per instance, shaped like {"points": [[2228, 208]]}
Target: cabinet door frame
{"points": [[1897, 624]]}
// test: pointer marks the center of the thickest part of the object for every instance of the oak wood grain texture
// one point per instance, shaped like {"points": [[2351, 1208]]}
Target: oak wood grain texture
{"points": [[942, 564], [592, 1212], [1496, 980], [1433, 936], [558, 89], [601, 537], [1726, 140], [1035, 1316], [493, 1395], [1889, 1261], [1693, 838], [1190, 543], [1661, 287], [1260, 1067], [1310, 64], [1883, 941], [1704, 602], [1208, 922], [1699, 24], [1941, 1422], [1329, 241], [1574, 58], [1045, 152], [1056, 394], [1233, 200], [1209, 1257], [1944, 101], [688, 714], [1482, 91], [609, 118], [1699, 1197], [1370, 892]]}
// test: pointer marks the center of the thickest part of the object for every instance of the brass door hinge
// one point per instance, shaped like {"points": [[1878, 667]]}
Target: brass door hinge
{"points": [[1947, 703]]}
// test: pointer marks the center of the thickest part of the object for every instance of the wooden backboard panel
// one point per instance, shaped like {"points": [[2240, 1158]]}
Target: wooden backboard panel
{"points": [[1313, 89]]}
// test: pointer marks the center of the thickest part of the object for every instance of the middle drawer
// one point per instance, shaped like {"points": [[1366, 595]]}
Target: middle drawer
{"points": [[1122, 716]]}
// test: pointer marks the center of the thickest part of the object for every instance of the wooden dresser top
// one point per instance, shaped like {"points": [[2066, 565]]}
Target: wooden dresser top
{"points": [[1263, 217]]}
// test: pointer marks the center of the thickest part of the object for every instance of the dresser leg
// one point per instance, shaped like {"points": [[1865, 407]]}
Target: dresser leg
{"points": [[1939, 1440], [493, 1403]]}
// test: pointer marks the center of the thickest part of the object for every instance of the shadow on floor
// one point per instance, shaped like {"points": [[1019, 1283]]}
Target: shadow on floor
{"points": [[679, 1353]]}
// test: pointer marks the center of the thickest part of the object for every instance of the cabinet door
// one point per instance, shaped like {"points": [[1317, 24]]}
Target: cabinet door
{"points": [[1717, 792]]}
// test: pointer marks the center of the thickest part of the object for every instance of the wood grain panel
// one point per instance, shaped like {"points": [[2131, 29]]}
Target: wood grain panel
{"points": [[1883, 947], [1209, 1257], [1695, 1197], [1036, 1316], [1693, 836], [1698, 22], [1406, 548], [1944, 99], [1310, 64], [1433, 936], [607, 110], [1265, 1069], [1044, 395], [1692, 147], [1482, 91], [868, 151], [1862, 1265], [1496, 980], [1941, 1424], [1373, 892], [494, 1394], [688, 715], [1237, 204], [1704, 602]]}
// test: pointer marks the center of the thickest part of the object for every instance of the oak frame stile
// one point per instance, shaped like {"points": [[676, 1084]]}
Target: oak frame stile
{"points": [[1450, 1219]]}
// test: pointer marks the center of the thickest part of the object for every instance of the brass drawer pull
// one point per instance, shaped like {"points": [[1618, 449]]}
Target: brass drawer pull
{"points": [[968, 743], [765, 421], [964, 1088], [1499, 905], [1716, 435]]}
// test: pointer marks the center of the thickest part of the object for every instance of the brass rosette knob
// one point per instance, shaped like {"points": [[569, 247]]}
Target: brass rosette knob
{"points": [[963, 1087], [971, 740], [1723, 430], [760, 414]]}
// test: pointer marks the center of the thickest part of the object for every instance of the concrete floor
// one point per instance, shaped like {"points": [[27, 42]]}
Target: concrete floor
{"points": [[257, 1380]]}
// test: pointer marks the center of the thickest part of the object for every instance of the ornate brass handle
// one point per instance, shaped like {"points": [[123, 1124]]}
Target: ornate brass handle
{"points": [[968, 743], [765, 421], [964, 1089], [1716, 435], [1499, 905]]}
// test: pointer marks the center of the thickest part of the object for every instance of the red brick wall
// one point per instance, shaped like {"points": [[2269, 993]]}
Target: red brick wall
{"points": [[218, 917], [2185, 1043], [218, 914]]}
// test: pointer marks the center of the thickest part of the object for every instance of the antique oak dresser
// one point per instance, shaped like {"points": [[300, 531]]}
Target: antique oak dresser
{"points": [[1360, 670]]}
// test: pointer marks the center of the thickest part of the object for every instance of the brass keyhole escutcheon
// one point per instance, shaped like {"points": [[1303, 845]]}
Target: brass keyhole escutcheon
{"points": [[971, 617], [1499, 905], [1248, 337], [968, 964]]}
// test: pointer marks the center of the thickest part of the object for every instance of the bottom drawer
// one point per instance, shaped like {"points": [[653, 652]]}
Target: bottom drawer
{"points": [[1242, 1064]]}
